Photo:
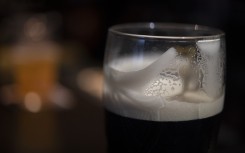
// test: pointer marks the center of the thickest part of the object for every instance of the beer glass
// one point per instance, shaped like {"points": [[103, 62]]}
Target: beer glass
{"points": [[164, 87]]}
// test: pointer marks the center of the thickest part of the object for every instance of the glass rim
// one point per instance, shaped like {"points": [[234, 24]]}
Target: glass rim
{"points": [[117, 29]]}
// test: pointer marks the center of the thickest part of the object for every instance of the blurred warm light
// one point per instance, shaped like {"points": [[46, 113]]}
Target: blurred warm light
{"points": [[62, 97], [33, 102], [90, 80], [35, 28]]}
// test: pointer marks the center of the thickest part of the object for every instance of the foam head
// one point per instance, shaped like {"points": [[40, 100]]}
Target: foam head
{"points": [[158, 90]]}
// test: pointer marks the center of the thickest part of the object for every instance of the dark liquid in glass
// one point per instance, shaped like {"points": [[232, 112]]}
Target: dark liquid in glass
{"points": [[128, 135]]}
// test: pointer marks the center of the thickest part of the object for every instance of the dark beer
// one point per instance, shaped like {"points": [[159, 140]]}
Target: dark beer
{"points": [[128, 135], [163, 88]]}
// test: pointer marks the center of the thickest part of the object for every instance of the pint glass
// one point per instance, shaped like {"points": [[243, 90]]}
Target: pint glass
{"points": [[164, 87]]}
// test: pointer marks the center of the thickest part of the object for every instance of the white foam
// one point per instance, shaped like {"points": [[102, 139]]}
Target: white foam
{"points": [[146, 93], [211, 53], [136, 79]]}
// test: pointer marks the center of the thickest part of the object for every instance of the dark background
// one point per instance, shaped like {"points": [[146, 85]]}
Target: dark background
{"points": [[82, 25]]}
